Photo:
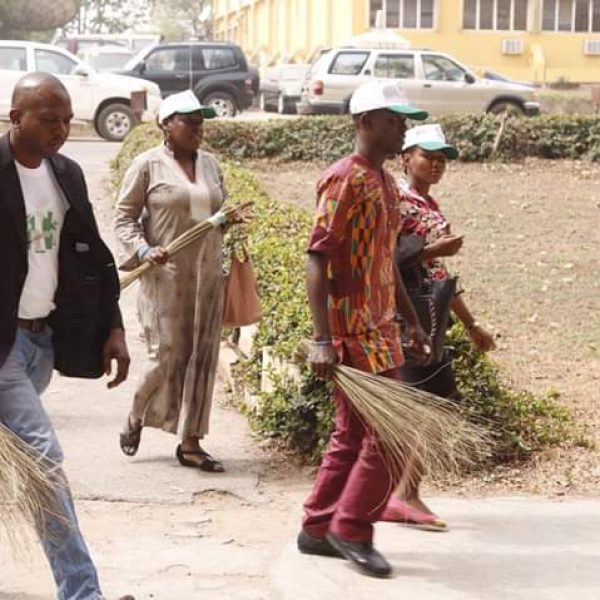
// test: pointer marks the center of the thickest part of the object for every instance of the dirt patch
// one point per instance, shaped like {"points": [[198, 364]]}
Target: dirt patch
{"points": [[529, 265]]}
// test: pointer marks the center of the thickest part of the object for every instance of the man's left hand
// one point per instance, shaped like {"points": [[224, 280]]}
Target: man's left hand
{"points": [[419, 344], [115, 348]]}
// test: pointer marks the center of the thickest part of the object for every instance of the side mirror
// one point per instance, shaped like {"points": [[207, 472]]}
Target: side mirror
{"points": [[81, 71], [470, 78], [141, 68]]}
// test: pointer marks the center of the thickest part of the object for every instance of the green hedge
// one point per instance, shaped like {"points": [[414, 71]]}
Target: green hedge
{"points": [[520, 421], [325, 139]]}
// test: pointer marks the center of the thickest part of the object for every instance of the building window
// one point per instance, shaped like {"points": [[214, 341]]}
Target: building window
{"points": [[495, 15], [571, 15], [403, 14], [375, 7]]}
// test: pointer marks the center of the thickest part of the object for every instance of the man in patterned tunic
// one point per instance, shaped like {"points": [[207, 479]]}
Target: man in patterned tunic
{"points": [[354, 292]]}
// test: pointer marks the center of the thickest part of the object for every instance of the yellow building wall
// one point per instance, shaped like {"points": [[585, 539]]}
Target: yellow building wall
{"points": [[291, 30]]}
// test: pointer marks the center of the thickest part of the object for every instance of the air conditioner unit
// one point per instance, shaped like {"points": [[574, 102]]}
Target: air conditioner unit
{"points": [[591, 47], [514, 46]]}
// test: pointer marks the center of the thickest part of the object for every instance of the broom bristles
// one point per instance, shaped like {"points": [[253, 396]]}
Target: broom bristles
{"points": [[413, 427], [27, 490], [416, 432]]}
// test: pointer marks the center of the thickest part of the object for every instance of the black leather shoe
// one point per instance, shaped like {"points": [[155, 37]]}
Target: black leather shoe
{"points": [[363, 555], [307, 544]]}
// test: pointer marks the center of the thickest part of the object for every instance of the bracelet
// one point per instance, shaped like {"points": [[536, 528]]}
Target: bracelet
{"points": [[321, 343], [217, 219], [143, 251], [472, 326]]}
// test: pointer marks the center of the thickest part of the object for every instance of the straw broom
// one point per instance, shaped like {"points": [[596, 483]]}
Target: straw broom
{"points": [[27, 493], [192, 235], [411, 426]]}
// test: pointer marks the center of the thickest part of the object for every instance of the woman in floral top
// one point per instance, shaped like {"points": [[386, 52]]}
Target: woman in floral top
{"points": [[426, 239]]}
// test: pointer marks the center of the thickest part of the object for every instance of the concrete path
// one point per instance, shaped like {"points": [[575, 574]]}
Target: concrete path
{"points": [[497, 550], [163, 532]]}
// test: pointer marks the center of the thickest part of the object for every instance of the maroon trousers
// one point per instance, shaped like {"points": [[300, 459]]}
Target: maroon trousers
{"points": [[352, 486]]}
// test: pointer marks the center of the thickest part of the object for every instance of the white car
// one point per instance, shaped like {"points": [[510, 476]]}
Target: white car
{"points": [[100, 98], [281, 86], [433, 81]]}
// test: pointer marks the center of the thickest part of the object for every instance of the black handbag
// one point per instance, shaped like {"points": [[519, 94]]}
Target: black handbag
{"points": [[432, 298], [433, 304]]}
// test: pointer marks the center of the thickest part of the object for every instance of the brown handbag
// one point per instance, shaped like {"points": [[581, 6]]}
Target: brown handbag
{"points": [[242, 302]]}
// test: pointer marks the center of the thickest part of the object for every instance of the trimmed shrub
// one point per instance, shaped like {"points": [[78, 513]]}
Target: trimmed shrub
{"points": [[301, 415], [328, 138]]}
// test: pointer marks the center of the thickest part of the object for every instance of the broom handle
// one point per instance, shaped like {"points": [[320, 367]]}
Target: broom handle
{"points": [[127, 279], [179, 243]]}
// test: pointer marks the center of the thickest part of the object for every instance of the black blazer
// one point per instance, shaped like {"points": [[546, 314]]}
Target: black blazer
{"points": [[88, 285]]}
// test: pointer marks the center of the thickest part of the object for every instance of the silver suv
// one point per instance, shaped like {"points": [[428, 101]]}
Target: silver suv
{"points": [[432, 80]]}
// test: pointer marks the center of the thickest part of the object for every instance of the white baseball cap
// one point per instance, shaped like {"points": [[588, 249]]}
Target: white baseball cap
{"points": [[183, 103], [429, 137], [379, 94]]}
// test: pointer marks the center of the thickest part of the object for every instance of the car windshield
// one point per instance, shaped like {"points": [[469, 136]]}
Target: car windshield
{"points": [[318, 63], [108, 62], [137, 58]]}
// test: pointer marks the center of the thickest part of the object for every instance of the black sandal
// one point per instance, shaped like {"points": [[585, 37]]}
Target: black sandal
{"points": [[130, 439], [208, 464]]}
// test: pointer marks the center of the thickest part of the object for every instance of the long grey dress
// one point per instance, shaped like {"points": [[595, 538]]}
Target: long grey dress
{"points": [[181, 303]]}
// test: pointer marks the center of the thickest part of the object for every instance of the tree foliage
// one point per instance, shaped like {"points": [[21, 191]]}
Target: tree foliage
{"points": [[183, 19], [109, 16]]}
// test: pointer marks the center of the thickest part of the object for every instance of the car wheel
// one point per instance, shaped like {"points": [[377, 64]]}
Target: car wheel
{"points": [[499, 108], [223, 103], [115, 121]]}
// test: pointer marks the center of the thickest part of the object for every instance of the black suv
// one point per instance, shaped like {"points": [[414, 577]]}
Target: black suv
{"points": [[218, 72]]}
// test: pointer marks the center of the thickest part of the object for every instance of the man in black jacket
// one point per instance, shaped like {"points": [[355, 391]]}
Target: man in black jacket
{"points": [[58, 300]]}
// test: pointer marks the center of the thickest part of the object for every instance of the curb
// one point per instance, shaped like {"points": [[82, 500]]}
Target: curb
{"points": [[230, 353]]}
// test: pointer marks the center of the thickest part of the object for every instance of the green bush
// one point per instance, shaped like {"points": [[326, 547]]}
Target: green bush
{"points": [[142, 138], [520, 422], [327, 138]]}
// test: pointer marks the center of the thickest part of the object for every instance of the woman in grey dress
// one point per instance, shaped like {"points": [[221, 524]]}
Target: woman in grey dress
{"points": [[164, 192]]}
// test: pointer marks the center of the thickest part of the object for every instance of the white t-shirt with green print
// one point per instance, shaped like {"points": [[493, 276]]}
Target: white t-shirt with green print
{"points": [[45, 207]]}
